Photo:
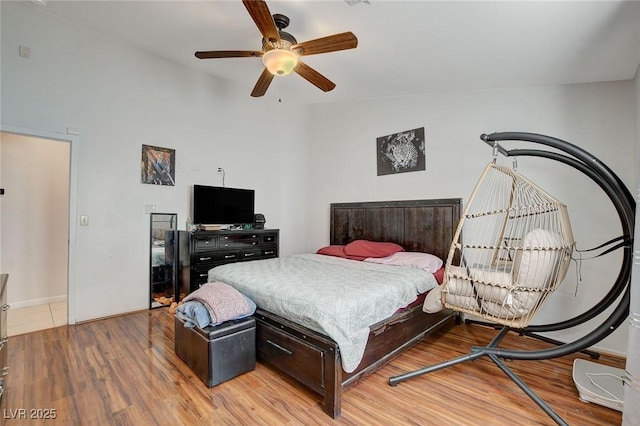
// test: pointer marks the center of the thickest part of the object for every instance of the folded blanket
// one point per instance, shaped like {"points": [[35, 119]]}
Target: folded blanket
{"points": [[221, 301], [194, 314]]}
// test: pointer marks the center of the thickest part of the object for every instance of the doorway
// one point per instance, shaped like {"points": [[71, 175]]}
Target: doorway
{"points": [[35, 227]]}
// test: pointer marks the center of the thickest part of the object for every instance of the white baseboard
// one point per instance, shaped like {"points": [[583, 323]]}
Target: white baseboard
{"points": [[36, 302]]}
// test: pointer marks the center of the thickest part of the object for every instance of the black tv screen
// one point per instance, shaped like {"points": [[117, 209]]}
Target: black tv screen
{"points": [[215, 205]]}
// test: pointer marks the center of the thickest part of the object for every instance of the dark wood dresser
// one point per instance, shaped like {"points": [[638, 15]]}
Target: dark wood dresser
{"points": [[4, 339], [199, 251]]}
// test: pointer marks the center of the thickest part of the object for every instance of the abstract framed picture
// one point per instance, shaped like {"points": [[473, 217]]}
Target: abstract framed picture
{"points": [[158, 165], [401, 152]]}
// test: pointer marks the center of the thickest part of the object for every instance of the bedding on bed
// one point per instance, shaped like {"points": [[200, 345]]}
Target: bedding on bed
{"points": [[338, 297]]}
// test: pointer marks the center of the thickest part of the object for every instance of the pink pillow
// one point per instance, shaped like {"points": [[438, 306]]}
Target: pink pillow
{"points": [[425, 261], [364, 248]]}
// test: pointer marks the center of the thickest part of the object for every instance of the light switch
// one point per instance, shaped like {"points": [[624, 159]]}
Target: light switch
{"points": [[84, 220], [24, 51]]}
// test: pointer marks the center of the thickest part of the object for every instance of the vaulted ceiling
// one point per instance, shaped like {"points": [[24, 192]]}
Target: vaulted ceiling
{"points": [[404, 47]]}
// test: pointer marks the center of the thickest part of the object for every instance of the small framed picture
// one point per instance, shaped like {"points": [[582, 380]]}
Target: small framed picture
{"points": [[401, 152], [158, 165]]}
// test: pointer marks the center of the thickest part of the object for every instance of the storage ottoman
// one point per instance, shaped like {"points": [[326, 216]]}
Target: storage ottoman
{"points": [[217, 353]]}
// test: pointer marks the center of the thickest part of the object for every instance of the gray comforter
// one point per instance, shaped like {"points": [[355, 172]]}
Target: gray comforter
{"points": [[338, 297]]}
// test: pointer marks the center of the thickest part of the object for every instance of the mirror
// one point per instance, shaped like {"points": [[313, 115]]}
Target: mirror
{"points": [[162, 273]]}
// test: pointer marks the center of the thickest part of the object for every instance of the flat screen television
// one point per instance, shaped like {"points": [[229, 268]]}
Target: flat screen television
{"points": [[215, 205]]}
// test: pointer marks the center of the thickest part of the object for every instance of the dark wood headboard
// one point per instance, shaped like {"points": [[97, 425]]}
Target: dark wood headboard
{"points": [[417, 225]]}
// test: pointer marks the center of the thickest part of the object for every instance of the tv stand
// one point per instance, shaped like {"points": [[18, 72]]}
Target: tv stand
{"points": [[199, 251]]}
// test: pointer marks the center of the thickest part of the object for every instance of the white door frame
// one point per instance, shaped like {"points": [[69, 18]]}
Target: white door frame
{"points": [[74, 140]]}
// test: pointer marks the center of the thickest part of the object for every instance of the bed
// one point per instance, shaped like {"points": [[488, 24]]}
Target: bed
{"points": [[302, 349]]}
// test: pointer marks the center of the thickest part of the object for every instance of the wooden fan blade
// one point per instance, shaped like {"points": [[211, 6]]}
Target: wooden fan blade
{"points": [[314, 77], [261, 15], [263, 84], [214, 54], [327, 44]]}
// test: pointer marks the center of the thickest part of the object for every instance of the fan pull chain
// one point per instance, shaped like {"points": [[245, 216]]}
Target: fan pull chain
{"points": [[280, 91]]}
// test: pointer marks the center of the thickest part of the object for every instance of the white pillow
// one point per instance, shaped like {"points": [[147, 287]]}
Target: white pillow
{"points": [[433, 301], [537, 268], [497, 297], [413, 259]]}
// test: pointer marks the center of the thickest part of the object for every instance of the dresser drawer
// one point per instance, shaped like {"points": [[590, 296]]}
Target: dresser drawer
{"points": [[214, 257], [205, 242], [199, 276], [250, 254], [297, 358], [238, 240], [269, 252], [269, 238]]}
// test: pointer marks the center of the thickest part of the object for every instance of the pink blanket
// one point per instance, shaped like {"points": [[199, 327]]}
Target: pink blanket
{"points": [[221, 300]]}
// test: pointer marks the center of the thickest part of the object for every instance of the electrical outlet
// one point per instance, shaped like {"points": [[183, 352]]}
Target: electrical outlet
{"points": [[84, 220]]}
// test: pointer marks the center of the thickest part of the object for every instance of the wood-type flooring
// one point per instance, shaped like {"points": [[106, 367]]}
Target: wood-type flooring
{"points": [[123, 371]]}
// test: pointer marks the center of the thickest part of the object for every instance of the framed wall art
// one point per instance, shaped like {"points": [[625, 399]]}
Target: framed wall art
{"points": [[158, 165], [401, 152]]}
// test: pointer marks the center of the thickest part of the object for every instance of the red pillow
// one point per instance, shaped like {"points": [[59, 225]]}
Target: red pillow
{"points": [[439, 275], [338, 251], [364, 248], [332, 251]]}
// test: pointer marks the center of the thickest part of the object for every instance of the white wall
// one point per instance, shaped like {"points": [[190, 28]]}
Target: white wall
{"points": [[119, 98], [597, 117], [35, 219]]}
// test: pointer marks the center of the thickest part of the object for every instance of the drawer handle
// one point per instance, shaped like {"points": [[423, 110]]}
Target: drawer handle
{"points": [[230, 256], [205, 258], [5, 371], [268, 252], [202, 275], [249, 254], [6, 307], [283, 349]]}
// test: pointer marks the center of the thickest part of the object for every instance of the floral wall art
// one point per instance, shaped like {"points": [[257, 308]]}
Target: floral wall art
{"points": [[401, 152]]}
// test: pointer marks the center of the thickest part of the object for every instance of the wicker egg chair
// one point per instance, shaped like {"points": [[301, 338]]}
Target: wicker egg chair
{"points": [[511, 250]]}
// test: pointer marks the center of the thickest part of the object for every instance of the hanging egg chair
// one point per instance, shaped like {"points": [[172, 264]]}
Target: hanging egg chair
{"points": [[511, 249]]}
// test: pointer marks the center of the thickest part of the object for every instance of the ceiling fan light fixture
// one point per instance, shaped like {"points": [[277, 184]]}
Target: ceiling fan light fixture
{"points": [[280, 61]]}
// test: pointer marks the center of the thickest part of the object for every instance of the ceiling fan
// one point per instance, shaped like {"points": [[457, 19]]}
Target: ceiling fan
{"points": [[281, 52]]}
